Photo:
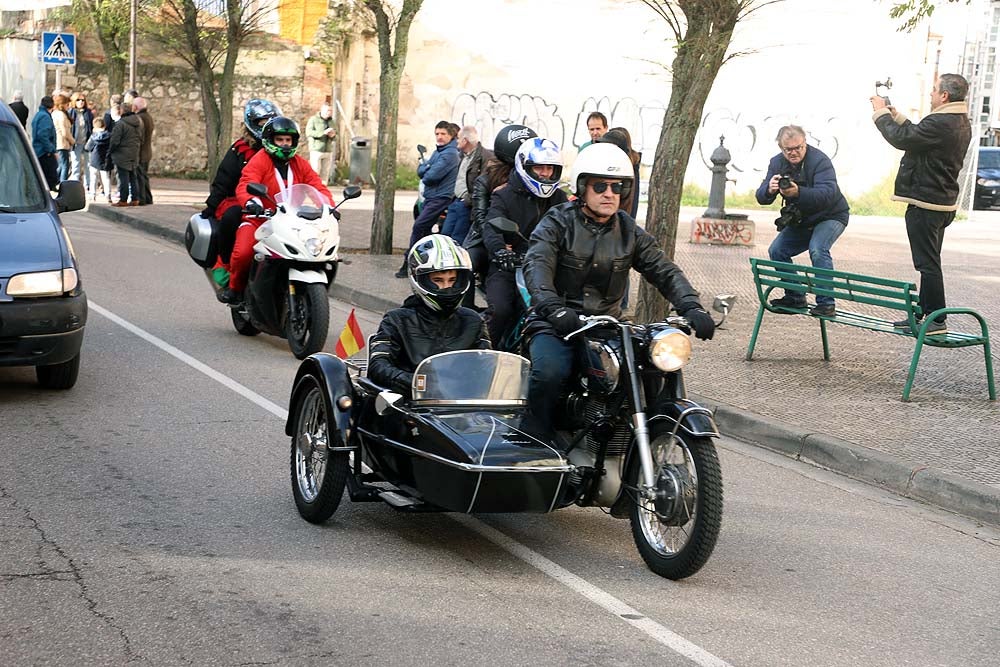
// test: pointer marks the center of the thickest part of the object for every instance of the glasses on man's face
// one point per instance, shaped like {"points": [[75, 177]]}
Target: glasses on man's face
{"points": [[601, 186], [793, 149]]}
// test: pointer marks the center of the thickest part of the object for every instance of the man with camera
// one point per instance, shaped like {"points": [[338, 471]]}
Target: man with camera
{"points": [[927, 181], [814, 214]]}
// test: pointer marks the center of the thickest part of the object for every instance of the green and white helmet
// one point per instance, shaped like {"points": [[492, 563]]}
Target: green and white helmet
{"points": [[274, 127], [434, 253]]}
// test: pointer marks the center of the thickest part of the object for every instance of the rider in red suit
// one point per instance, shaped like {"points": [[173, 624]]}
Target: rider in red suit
{"points": [[278, 168], [221, 203]]}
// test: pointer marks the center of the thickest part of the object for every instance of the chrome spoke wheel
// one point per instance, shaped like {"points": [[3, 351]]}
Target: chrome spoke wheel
{"points": [[311, 442], [319, 462]]}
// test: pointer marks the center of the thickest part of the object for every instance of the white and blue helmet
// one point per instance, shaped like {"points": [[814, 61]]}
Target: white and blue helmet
{"points": [[434, 253], [538, 151]]}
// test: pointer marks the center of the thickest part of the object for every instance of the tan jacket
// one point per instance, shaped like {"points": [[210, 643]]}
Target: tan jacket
{"points": [[64, 130]]}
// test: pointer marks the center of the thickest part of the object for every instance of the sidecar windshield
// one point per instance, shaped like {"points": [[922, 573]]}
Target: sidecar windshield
{"points": [[472, 377], [301, 196]]}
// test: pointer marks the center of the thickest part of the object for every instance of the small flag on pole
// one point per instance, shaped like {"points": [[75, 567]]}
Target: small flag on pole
{"points": [[351, 338]]}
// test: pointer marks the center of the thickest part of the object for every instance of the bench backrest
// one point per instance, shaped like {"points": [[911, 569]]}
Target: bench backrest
{"points": [[841, 285]]}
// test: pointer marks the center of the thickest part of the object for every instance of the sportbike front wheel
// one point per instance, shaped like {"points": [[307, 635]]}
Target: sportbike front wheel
{"points": [[308, 319], [676, 530], [318, 474]]}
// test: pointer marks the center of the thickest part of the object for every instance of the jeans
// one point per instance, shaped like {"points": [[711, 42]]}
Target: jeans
{"points": [[80, 160], [429, 214], [925, 230], [456, 222], [551, 367], [64, 163], [817, 240]]}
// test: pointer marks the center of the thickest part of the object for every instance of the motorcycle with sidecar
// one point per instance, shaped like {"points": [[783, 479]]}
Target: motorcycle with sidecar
{"points": [[633, 442]]}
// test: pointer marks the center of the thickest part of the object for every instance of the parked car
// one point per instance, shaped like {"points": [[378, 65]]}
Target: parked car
{"points": [[43, 309], [987, 178]]}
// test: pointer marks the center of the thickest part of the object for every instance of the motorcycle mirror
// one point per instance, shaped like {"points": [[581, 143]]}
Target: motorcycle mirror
{"points": [[724, 303], [421, 149], [352, 192], [504, 225], [385, 400], [257, 189]]}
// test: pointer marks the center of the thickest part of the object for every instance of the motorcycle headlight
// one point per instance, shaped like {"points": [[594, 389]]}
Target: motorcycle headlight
{"points": [[314, 246], [44, 283], [670, 349], [988, 182]]}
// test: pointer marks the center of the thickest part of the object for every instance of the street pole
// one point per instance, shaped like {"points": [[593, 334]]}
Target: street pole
{"points": [[131, 46]]}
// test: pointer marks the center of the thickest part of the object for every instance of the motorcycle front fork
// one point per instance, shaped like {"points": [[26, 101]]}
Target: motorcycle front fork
{"points": [[639, 423]]}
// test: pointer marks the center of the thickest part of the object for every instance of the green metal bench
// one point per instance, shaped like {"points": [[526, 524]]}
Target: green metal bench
{"points": [[894, 295]]}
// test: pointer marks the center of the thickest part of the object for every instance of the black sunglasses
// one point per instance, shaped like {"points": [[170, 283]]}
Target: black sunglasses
{"points": [[601, 186]]}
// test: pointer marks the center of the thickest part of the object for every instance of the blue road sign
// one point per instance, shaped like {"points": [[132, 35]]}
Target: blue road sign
{"points": [[58, 48]]}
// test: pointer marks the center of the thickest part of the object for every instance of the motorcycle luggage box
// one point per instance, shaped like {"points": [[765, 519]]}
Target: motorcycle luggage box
{"points": [[201, 241], [471, 461]]}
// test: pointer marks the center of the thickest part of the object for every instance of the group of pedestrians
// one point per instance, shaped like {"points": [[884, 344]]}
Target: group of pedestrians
{"points": [[72, 142]]}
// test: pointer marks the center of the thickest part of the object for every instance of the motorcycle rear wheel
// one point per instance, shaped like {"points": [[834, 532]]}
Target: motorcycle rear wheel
{"points": [[318, 475], [241, 321], [676, 533], [308, 319]]}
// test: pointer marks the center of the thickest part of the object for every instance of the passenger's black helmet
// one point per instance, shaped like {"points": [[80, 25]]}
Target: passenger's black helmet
{"points": [[509, 139]]}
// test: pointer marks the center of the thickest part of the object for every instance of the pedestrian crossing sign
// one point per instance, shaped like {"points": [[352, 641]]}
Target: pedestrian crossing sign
{"points": [[58, 48]]}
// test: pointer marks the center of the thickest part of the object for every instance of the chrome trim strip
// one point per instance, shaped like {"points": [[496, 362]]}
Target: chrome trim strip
{"points": [[694, 409], [482, 456], [446, 402], [467, 467]]}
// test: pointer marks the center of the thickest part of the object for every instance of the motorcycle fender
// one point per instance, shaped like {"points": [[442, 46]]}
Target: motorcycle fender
{"points": [[332, 375], [309, 276], [697, 421]]}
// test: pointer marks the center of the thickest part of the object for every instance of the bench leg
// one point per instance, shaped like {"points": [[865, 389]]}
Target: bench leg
{"points": [[756, 330], [913, 368], [989, 371], [826, 343]]}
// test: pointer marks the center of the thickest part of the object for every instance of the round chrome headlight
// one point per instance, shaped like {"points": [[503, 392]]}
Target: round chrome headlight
{"points": [[670, 349], [314, 246]]}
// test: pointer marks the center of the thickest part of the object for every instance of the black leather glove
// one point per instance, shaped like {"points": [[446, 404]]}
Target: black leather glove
{"points": [[208, 213], [253, 207], [506, 259], [564, 320], [701, 322]]}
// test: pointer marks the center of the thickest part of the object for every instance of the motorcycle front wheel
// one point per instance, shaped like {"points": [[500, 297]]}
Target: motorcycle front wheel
{"points": [[676, 532], [318, 475], [308, 319]]}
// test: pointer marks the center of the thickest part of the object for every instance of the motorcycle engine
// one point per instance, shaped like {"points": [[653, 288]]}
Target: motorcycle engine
{"points": [[608, 429]]}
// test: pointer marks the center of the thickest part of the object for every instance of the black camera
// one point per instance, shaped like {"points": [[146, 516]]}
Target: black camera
{"points": [[789, 216], [784, 182]]}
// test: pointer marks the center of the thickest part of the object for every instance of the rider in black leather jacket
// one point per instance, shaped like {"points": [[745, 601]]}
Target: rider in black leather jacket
{"points": [[430, 321], [578, 263]]}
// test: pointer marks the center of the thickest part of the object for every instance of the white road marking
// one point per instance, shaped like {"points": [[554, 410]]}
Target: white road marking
{"points": [[601, 598]]}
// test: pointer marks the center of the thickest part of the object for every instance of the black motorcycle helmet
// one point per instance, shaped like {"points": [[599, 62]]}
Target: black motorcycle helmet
{"points": [[434, 253], [274, 127], [509, 139]]}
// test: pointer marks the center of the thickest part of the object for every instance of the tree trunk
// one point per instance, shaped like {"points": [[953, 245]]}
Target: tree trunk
{"points": [[391, 65], [700, 54]]}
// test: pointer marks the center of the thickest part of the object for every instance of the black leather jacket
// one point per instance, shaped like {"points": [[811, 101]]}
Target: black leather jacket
{"points": [[935, 150], [481, 195], [410, 334], [516, 203], [582, 264]]}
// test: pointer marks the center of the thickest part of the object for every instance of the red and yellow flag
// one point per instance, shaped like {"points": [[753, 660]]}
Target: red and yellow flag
{"points": [[351, 338]]}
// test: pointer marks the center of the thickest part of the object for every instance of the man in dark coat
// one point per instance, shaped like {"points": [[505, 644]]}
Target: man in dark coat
{"points": [[928, 180], [126, 141], [145, 151], [43, 141], [473, 158], [19, 108]]}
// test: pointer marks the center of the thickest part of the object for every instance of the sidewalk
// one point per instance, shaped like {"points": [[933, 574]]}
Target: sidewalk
{"points": [[943, 447]]}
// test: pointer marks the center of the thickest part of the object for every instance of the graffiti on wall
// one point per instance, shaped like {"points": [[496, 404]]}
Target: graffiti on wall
{"points": [[750, 141], [722, 232]]}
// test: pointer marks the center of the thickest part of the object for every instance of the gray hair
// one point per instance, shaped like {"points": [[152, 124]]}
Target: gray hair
{"points": [[790, 131], [955, 85], [18, 96], [469, 133]]}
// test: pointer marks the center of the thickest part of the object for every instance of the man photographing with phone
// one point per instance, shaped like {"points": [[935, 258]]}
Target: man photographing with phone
{"points": [[815, 212]]}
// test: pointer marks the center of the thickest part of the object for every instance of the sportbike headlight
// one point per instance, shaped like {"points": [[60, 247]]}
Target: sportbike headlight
{"points": [[314, 246], [670, 349]]}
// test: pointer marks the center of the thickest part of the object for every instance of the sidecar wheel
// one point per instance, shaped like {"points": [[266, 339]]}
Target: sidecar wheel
{"points": [[241, 321], [308, 319], [676, 532], [318, 475]]}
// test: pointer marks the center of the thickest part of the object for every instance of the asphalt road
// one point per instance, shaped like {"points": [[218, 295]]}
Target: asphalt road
{"points": [[146, 516]]}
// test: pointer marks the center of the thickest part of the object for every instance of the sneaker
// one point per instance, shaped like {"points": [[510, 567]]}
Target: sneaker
{"points": [[905, 324], [823, 310], [935, 328], [790, 301]]}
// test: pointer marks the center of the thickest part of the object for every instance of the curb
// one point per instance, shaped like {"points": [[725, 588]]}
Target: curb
{"points": [[922, 483], [945, 490]]}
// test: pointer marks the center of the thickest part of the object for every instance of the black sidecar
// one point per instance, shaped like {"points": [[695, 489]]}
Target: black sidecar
{"points": [[455, 445]]}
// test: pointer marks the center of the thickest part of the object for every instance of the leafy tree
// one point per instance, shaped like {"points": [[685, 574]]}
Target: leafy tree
{"points": [[393, 30], [914, 11], [703, 30], [111, 21], [204, 41]]}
